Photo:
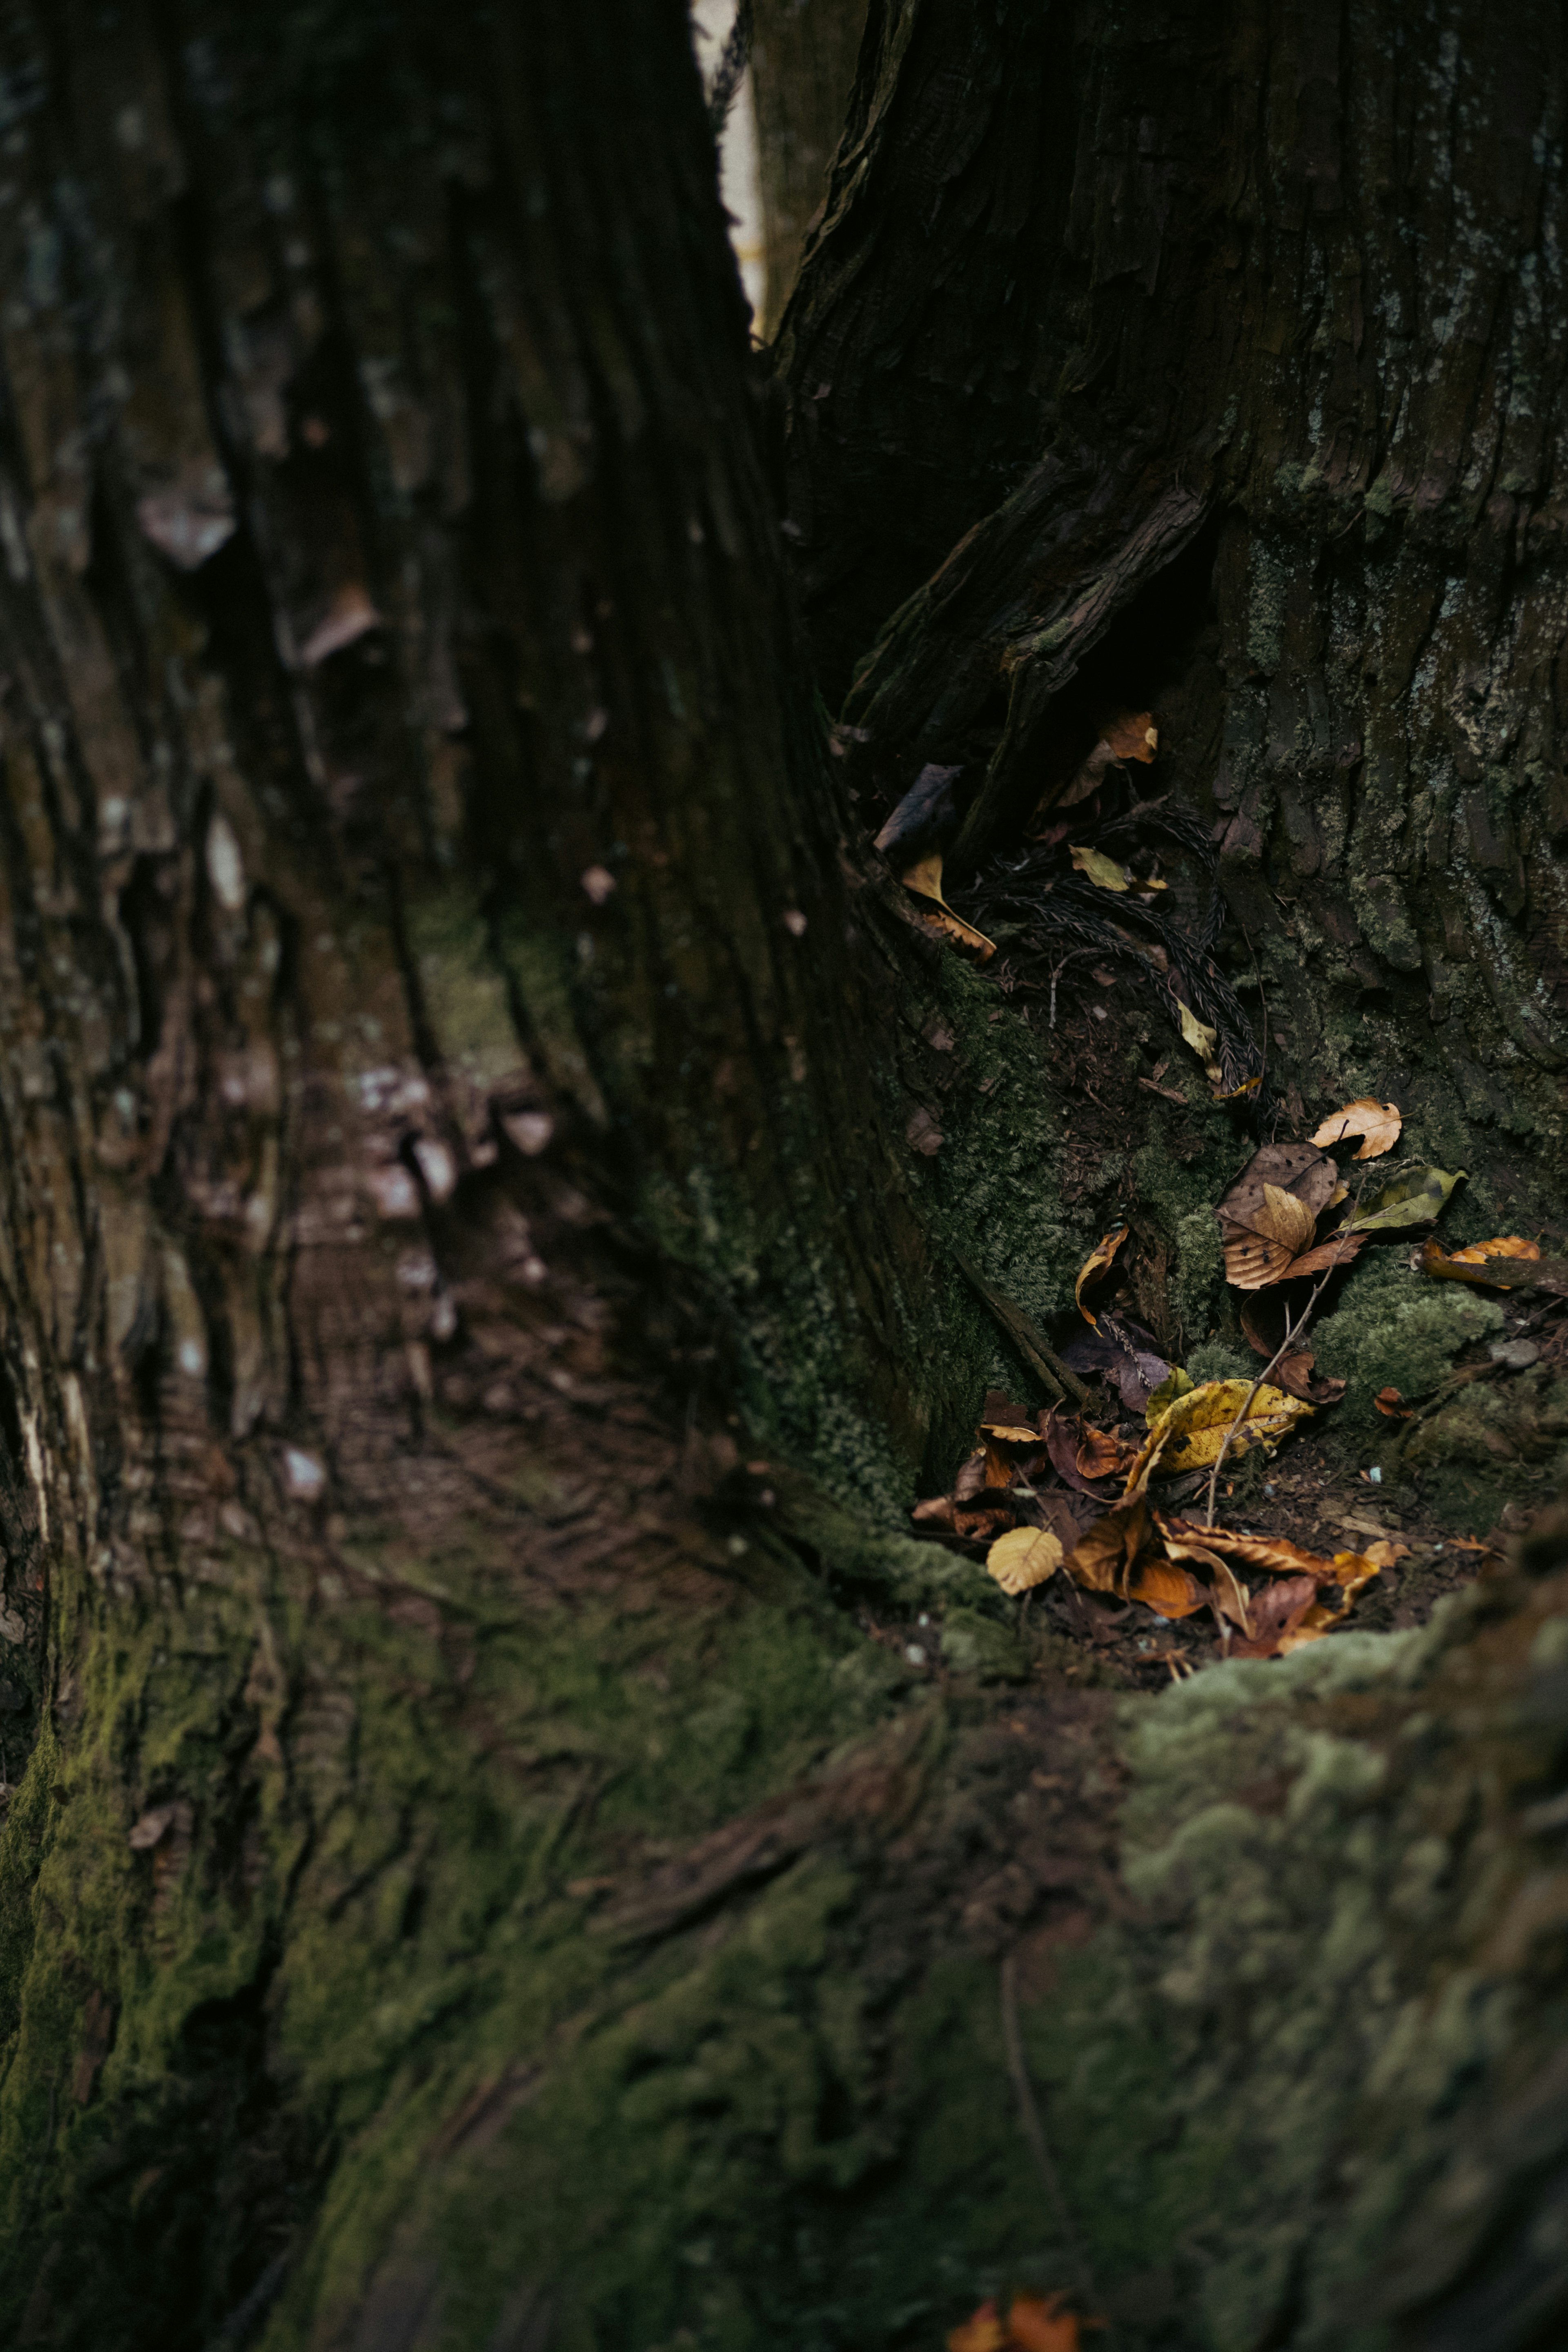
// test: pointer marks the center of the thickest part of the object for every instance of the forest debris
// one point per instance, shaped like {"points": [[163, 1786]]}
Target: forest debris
{"points": [[1203, 1041], [1279, 1230], [1099, 868], [1064, 1442], [1378, 1124], [1413, 1197], [1446, 1269], [1177, 1383], [1023, 1558], [923, 1133], [925, 880], [1278, 1612], [1125, 1353], [1096, 1266], [1126, 735], [1034, 2324], [1105, 1554], [1102, 1453], [1191, 1433], [1296, 1168], [1169, 1590], [1393, 1405], [1293, 1370]]}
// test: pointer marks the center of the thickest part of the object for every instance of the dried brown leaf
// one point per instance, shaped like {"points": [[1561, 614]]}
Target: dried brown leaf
{"points": [[1105, 1555], [1276, 1611], [1096, 1266], [1378, 1124], [1169, 1590], [1470, 1265], [1295, 1167], [925, 880]]}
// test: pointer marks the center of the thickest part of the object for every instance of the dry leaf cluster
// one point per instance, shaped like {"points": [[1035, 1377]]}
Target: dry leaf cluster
{"points": [[1058, 1494]]}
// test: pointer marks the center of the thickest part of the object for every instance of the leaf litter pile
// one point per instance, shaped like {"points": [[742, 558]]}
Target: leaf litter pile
{"points": [[1109, 1503]]}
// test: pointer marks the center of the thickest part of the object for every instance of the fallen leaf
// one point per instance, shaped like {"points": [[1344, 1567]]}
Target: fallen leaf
{"points": [[1130, 735], [1446, 1269], [1178, 1384], [1169, 1590], [1101, 1455], [1411, 1198], [971, 1478], [936, 1511], [1263, 1323], [983, 2333], [1041, 2323], [1298, 1169], [1184, 1539], [923, 1133], [1096, 1266], [1100, 869], [1191, 1433], [1063, 1436], [925, 880], [1106, 1553], [1203, 1041], [1227, 1595], [1277, 1231], [1023, 1558], [1378, 1124], [1390, 1401], [1253, 1261], [1277, 1613]]}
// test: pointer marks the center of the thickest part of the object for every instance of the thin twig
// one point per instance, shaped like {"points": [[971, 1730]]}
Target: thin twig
{"points": [[1042, 1359], [1292, 1333], [1035, 2133]]}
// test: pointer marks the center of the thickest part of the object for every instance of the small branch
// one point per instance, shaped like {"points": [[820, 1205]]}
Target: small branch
{"points": [[1042, 1359], [1035, 2133]]}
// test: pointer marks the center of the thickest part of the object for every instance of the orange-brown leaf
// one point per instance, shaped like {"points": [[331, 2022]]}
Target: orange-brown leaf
{"points": [[1170, 1590], [1101, 1454], [1278, 1611], [1378, 1125], [925, 880], [1390, 1401], [1472, 1265], [1105, 1553], [1185, 1540], [1504, 1245], [1131, 734], [1042, 2324]]}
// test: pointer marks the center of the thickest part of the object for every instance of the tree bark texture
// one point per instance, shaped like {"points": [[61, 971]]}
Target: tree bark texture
{"points": [[508, 1858], [1261, 307], [804, 55]]}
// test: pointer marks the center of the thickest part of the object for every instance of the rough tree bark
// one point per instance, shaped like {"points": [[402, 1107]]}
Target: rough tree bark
{"points": [[473, 1884]]}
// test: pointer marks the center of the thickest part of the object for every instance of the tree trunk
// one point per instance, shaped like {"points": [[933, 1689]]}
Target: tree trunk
{"points": [[803, 64], [513, 1852]]}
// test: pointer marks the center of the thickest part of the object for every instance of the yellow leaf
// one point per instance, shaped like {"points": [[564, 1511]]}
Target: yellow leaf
{"points": [[1175, 1383], [1191, 1434], [1024, 1557], [925, 880], [1378, 1124], [1505, 1245], [1203, 1041], [1096, 1264], [1099, 868]]}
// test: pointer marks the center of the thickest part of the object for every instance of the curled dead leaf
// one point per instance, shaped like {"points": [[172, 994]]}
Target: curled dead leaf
{"points": [[1278, 1612], [1378, 1125], [1101, 1454], [1024, 1558], [925, 880], [1130, 735], [1169, 1590], [1096, 1266], [1100, 869], [1064, 1436], [1106, 1553], [1390, 1402], [1263, 1324], [1184, 1539], [1203, 1041], [1470, 1265]]}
